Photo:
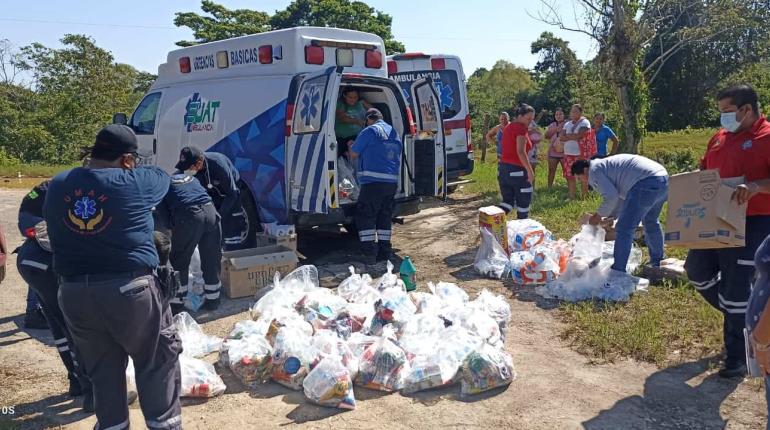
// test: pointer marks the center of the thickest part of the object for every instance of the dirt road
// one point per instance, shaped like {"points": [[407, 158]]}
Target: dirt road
{"points": [[556, 387]]}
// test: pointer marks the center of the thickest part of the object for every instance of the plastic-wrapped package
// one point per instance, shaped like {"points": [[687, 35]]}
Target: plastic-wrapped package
{"points": [[199, 378], [345, 324], [293, 355], [358, 288], [195, 271], [330, 384], [287, 291], [390, 280], [131, 377], [524, 234], [534, 266], [381, 366], [320, 306], [458, 343], [195, 343], [485, 369], [329, 345], [426, 302], [495, 306], [248, 357], [395, 306], [359, 342], [491, 259], [634, 258], [429, 371], [483, 326], [420, 333], [588, 243], [450, 293]]}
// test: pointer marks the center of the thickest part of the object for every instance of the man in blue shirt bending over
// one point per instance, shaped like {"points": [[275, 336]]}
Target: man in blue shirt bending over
{"points": [[378, 149], [633, 189], [100, 225]]}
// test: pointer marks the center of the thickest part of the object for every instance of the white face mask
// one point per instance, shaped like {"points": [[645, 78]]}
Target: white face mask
{"points": [[190, 172], [729, 121]]}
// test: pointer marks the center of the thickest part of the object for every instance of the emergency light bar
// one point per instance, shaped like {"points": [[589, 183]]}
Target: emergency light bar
{"points": [[410, 56], [339, 44]]}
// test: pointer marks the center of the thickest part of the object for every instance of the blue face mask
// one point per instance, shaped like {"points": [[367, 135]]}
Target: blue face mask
{"points": [[729, 121]]}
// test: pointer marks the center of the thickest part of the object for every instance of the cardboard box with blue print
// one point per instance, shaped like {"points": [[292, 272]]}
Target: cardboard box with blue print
{"points": [[247, 270], [701, 213]]}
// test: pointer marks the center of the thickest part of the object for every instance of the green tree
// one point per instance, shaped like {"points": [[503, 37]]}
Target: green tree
{"points": [[222, 23], [558, 71], [75, 91]]}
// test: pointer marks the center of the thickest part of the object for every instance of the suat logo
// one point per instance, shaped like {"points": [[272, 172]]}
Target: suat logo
{"points": [[690, 211], [200, 113]]}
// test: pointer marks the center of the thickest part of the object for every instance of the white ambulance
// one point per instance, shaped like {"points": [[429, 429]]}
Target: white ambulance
{"points": [[268, 101], [448, 77]]}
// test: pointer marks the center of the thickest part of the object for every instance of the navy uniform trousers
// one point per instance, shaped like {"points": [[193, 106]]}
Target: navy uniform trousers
{"points": [[724, 278], [114, 316], [197, 226], [374, 216], [515, 189], [34, 266]]}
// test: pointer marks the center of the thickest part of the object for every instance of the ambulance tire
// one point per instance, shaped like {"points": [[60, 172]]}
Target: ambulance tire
{"points": [[247, 200]]}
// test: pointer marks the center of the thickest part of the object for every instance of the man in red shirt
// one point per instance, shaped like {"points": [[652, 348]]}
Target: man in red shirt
{"points": [[515, 174], [724, 276]]}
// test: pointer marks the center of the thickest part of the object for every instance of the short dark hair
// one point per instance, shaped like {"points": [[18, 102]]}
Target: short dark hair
{"points": [[523, 109], [601, 114], [577, 105], [347, 90], [740, 95], [579, 166]]}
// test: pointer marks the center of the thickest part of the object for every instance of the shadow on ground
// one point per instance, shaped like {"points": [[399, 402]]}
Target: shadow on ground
{"points": [[674, 398]]}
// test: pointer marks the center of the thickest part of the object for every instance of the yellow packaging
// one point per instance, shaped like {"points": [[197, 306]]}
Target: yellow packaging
{"points": [[493, 219]]}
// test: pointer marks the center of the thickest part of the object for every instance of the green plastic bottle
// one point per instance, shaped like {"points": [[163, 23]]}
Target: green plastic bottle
{"points": [[408, 274]]}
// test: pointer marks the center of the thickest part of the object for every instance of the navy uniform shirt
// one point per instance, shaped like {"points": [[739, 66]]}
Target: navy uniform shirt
{"points": [[100, 220], [31, 208], [760, 292], [185, 192], [220, 179], [379, 153]]}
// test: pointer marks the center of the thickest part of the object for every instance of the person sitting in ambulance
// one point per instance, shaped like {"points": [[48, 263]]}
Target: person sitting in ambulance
{"points": [[351, 116]]}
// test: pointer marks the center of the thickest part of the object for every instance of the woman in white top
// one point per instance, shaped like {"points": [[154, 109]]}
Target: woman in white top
{"points": [[573, 134]]}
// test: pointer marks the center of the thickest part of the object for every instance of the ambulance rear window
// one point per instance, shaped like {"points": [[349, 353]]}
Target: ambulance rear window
{"points": [[446, 83]]}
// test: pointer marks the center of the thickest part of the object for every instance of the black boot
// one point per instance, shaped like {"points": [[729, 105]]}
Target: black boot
{"points": [[88, 402], [75, 388], [210, 305]]}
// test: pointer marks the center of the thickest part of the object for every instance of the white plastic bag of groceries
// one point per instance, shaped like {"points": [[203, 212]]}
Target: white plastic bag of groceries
{"points": [[491, 260], [195, 343], [330, 384], [199, 378], [358, 288], [287, 291]]}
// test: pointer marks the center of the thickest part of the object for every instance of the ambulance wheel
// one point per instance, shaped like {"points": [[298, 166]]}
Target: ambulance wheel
{"points": [[252, 219]]}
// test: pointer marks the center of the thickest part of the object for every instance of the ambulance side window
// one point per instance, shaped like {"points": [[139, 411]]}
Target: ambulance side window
{"points": [[143, 119], [307, 111]]}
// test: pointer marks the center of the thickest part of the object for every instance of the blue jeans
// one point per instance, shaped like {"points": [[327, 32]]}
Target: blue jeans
{"points": [[644, 203]]}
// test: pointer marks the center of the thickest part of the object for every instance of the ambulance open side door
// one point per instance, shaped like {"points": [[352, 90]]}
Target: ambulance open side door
{"points": [[311, 147], [429, 142]]}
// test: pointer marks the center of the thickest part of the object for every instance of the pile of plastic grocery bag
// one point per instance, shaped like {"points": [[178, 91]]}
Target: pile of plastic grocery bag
{"points": [[199, 378], [572, 271], [369, 333]]}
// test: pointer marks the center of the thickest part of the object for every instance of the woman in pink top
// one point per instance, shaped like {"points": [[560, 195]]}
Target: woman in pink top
{"points": [[555, 151]]}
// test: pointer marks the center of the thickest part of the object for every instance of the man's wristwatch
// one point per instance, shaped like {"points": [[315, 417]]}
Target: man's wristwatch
{"points": [[759, 346]]}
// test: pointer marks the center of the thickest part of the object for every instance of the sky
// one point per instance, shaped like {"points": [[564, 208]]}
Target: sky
{"points": [[141, 32]]}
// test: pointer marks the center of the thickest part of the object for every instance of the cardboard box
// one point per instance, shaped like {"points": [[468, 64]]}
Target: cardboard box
{"points": [[247, 270], [288, 241], [701, 214], [493, 219]]}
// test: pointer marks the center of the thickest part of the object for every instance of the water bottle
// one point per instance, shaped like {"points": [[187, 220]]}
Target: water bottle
{"points": [[408, 274]]}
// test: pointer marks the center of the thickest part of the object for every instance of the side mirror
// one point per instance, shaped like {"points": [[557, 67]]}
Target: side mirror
{"points": [[120, 118]]}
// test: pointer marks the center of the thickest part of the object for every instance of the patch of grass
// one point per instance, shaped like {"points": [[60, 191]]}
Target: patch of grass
{"points": [[32, 170], [667, 323]]}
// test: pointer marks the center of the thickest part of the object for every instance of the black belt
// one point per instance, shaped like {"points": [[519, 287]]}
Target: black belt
{"points": [[98, 277]]}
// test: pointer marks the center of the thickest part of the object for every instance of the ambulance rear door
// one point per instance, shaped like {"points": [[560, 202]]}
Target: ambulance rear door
{"points": [[311, 146], [429, 141]]}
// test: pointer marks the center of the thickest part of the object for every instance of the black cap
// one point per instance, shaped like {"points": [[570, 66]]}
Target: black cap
{"points": [[113, 141], [373, 114], [188, 156]]}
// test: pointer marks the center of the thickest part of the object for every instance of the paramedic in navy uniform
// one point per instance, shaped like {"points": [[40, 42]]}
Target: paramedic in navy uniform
{"points": [[100, 224], [378, 149], [220, 178], [190, 215]]}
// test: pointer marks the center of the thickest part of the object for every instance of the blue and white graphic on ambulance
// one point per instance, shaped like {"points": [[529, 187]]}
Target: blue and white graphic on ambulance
{"points": [[310, 104], [200, 113]]}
